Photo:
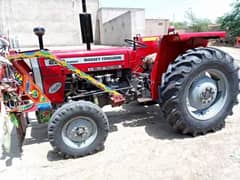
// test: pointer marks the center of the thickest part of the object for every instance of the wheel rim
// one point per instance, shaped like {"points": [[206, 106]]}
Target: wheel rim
{"points": [[207, 94], [79, 132]]}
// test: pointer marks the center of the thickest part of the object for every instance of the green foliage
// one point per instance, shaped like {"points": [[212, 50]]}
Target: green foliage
{"points": [[220, 20], [231, 21], [196, 24], [179, 25], [192, 23]]}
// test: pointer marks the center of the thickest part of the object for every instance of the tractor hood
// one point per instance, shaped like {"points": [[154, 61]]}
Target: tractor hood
{"points": [[94, 52], [205, 35]]}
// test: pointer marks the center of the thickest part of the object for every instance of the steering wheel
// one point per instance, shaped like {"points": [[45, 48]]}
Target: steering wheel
{"points": [[135, 43]]}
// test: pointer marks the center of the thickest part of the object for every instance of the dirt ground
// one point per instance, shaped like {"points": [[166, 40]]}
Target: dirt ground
{"points": [[141, 145]]}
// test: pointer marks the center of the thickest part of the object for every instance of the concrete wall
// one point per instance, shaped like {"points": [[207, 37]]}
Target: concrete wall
{"points": [[61, 21], [105, 15], [59, 17], [118, 29], [156, 26], [117, 24], [138, 22]]}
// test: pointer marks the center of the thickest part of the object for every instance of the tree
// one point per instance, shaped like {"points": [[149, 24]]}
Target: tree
{"points": [[196, 24], [179, 25], [231, 21]]}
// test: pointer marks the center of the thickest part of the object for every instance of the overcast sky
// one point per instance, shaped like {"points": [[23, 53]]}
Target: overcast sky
{"points": [[175, 9]]}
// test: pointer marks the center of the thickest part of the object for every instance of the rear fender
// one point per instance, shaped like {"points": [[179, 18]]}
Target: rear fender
{"points": [[171, 46]]}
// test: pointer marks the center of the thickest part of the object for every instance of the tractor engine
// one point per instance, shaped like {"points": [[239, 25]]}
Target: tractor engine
{"points": [[77, 89], [114, 68], [122, 69], [132, 86]]}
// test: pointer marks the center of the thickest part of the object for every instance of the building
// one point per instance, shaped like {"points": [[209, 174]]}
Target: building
{"points": [[156, 26], [117, 24], [59, 17], [61, 21]]}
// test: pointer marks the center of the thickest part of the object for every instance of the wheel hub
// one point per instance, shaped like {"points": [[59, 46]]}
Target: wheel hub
{"points": [[79, 134], [207, 95], [80, 130], [203, 93]]}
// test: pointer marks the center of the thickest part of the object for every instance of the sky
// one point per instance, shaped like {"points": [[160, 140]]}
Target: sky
{"points": [[175, 9]]}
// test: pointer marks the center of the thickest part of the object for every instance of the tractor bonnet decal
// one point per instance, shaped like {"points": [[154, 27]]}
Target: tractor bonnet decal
{"points": [[91, 59]]}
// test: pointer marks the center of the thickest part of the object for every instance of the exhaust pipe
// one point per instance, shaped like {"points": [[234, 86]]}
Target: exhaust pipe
{"points": [[86, 26]]}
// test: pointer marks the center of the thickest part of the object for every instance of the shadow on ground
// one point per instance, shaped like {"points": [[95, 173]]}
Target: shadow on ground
{"points": [[136, 115], [151, 117], [38, 134], [130, 115], [11, 148]]}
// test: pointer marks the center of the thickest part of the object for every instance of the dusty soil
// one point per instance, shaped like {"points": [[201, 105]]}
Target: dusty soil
{"points": [[141, 145]]}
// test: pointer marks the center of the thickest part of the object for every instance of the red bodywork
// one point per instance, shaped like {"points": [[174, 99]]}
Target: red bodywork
{"points": [[167, 47]]}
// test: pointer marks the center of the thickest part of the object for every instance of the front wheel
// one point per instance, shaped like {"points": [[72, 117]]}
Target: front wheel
{"points": [[78, 129], [199, 90]]}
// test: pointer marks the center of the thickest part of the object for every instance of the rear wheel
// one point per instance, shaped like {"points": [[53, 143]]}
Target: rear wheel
{"points": [[199, 90], [78, 129]]}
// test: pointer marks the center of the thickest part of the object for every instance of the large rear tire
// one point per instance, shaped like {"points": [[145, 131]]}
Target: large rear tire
{"points": [[199, 90], [78, 129]]}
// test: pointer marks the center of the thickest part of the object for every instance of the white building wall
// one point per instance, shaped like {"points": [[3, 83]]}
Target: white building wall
{"points": [[134, 18], [118, 29], [59, 17], [156, 26], [61, 21], [138, 22], [105, 15]]}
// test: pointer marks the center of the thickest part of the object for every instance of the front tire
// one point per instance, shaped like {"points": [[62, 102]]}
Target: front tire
{"points": [[78, 129], [199, 90]]}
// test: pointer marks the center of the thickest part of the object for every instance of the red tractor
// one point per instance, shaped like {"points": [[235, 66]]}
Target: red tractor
{"points": [[195, 85]]}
